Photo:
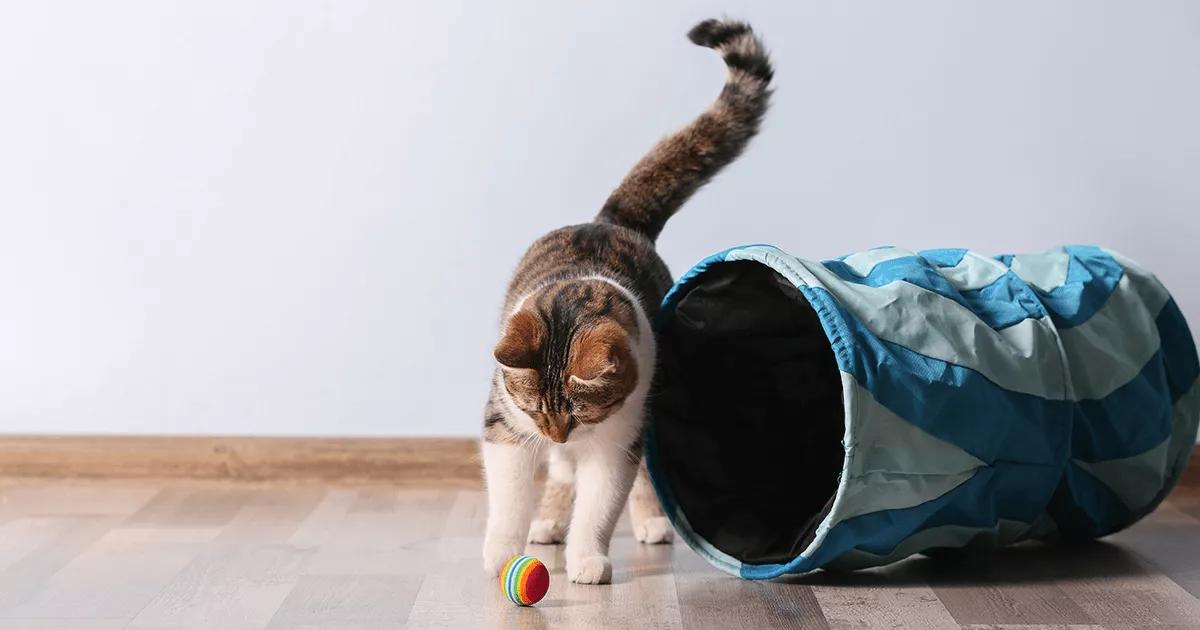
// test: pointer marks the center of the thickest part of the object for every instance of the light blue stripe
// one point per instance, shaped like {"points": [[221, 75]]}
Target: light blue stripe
{"points": [[1116, 343], [514, 571], [892, 463], [974, 272], [863, 263], [1045, 271]]}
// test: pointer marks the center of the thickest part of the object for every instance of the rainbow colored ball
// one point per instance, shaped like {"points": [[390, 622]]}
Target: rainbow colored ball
{"points": [[524, 580]]}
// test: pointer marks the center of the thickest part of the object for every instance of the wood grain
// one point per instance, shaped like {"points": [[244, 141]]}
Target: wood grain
{"points": [[218, 554], [347, 602], [450, 462]]}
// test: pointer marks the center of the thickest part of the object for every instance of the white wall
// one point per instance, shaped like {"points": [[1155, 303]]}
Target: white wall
{"points": [[297, 217]]}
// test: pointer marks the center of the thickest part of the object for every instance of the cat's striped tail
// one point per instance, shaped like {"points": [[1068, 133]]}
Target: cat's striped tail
{"points": [[683, 162]]}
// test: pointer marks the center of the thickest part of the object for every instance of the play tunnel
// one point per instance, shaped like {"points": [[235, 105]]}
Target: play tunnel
{"points": [[848, 413]]}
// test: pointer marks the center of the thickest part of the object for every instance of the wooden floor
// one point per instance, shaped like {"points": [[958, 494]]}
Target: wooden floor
{"points": [[188, 555]]}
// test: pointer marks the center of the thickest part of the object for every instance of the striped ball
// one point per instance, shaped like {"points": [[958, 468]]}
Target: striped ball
{"points": [[524, 580]]}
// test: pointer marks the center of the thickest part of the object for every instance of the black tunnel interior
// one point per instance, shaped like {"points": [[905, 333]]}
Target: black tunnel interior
{"points": [[748, 413]]}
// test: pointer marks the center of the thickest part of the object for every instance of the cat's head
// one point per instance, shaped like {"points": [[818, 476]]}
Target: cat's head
{"points": [[567, 355]]}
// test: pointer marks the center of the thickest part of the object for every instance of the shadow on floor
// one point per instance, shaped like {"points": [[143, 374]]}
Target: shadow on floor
{"points": [[1026, 564]]}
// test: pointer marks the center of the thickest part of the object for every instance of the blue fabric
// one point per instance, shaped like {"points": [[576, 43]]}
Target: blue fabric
{"points": [[1083, 507], [944, 257], [1179, 355], [988, 303], [1102, 428], [1026, 442], [1004, 425]]}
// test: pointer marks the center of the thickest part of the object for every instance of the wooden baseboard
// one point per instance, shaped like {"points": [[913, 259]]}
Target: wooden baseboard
{"points": [[1191, 474], [407, 461], [452, 462]]}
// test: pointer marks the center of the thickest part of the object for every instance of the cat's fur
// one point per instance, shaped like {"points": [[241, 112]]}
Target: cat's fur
{"points": [[576, 358]]}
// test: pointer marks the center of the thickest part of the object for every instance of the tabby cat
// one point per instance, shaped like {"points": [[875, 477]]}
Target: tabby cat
{"points": [[576, 357]]}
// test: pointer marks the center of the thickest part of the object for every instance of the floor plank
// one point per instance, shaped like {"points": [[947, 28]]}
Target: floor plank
{"points": [[24, 578], [231, 587], [400, 541], [1157, 540], [271, 515], [22, 536], [115, 577], [891, 597], [709, 599], [206, 506], [347, 602]]}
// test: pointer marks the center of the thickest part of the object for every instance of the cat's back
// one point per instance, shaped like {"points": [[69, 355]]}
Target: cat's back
{"points": [[589, 249]]}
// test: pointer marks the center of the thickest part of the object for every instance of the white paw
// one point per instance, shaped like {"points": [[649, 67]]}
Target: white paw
{"points": [[547, 531], [498, 551], [589, 570], [654, 531]]}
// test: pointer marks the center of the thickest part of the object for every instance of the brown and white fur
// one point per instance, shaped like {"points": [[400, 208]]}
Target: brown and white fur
{"points": [[576, 358]]}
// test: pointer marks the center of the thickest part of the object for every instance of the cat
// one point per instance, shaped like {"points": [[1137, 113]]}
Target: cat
{"points": [[576, 356]]}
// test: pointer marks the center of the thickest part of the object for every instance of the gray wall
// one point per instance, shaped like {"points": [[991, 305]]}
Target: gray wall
{"points": [[297, 217]]}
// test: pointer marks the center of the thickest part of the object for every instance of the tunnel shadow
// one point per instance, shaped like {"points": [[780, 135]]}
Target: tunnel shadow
{"points": [[1029, 563]]}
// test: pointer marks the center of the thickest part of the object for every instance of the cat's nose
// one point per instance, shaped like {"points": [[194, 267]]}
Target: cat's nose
{"points": [[558, 433]]}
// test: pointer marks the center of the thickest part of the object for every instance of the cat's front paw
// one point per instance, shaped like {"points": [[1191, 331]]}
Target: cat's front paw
{"points": [[497, 551], [654, 531], [546, 531], [589, 570]]}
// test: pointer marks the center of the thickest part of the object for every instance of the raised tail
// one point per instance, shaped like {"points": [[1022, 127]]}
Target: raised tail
{"points": [[683, 162]]}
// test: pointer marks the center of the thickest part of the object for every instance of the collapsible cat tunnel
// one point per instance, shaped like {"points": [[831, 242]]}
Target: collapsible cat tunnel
{"points": [[849, 413]]}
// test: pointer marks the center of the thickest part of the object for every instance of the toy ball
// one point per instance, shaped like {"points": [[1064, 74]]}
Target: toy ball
{"points": [[524, 580]]}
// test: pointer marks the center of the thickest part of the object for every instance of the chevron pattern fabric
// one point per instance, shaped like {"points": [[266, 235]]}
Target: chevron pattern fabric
{"points": [[988, 400]]}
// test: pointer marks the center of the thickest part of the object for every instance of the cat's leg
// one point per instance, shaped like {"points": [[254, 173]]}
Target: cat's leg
{"points": [[549, 527], [508, 469], [602, 480], [650, 526]]}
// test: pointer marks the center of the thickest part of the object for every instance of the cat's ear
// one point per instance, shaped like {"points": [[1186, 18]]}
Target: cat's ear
{"points": [[521, 345], [601, 359]]}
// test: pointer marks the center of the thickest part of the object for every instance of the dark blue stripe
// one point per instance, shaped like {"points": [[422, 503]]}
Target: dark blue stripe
{"points": [[1092, 275], [1009, 296], [1137, 416], [877, 530], [949, 401], [1006, 491], [1134, 418], [1084, 507], [1005, 302], [1179, 350]]}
